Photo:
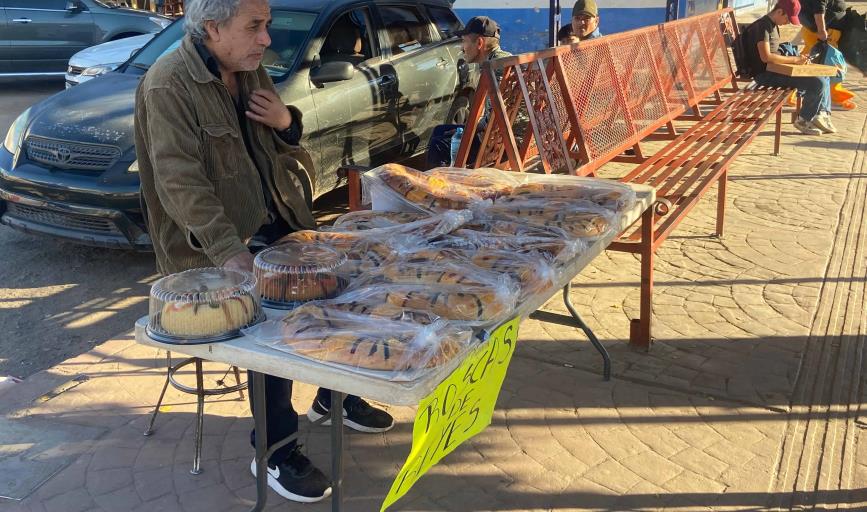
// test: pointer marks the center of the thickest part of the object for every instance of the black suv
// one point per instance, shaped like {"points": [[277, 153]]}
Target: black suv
{"points": [[37, 37], [373, 79]]}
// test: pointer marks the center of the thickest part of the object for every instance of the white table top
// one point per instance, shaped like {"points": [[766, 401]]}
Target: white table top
{"points": [[244, 352]]}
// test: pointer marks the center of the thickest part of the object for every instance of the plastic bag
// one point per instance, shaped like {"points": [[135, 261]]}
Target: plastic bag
{"points": [[584, 220], [482, 183], [607, 194], [363, 220], [394, 185], [425, 228], [475, 306], [362, 252], [377, 346], [551, 244]]}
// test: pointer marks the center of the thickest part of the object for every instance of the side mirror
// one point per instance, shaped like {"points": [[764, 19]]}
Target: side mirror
{"points": [[73, 5], [332, 72]]}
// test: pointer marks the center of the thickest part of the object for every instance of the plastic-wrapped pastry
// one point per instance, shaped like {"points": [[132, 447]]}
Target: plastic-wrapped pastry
{"points": [[203, 304], [609, 195], [577, 221], [483, 183], [368, 219], [297, 271], [359, 341], [532, 273], [426, 192]]}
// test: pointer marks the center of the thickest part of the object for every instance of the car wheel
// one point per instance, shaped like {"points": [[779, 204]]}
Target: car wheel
{"points": [[460, 110]]}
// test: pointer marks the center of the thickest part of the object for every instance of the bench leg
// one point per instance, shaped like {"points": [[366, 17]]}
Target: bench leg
{"points": [[353, 180], [721, 203], [779, 131], [639, 328]]}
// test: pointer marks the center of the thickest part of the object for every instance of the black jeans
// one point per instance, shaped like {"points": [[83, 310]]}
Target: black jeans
{"points": [[281, 418], [439, 149]]}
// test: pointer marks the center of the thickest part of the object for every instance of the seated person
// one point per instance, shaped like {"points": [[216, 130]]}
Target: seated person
{"points": [[480, 42], [585, 20], [565, 36], [760, 42]]}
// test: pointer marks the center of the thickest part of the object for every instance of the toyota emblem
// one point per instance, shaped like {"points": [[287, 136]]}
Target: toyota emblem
{"points": [[63, 155]]}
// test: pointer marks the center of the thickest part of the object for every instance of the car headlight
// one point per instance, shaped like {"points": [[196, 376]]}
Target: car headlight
{"points": [[94, 71], [133, 167], [16, 132], [162, 22]]}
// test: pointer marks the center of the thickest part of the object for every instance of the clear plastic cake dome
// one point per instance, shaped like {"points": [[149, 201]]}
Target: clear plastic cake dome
{"points": [[203, 305], [295, 272]]}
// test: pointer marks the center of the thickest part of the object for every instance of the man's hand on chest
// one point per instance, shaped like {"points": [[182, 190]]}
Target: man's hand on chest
{"points": [[264, 106]]}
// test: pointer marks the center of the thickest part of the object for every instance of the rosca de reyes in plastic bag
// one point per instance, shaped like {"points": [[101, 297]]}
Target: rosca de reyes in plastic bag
{"points": [[424, 192], [608, 194], [579, 221], [483, 183], [363, 342], [471, 295], [363, 220], [402, 224], [554, 244]]}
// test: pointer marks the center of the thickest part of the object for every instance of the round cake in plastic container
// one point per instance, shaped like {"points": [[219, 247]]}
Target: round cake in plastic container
{"points": [[296, 272], [203, 305]]}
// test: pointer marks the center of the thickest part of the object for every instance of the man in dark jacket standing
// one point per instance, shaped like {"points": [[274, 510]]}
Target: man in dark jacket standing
{"points": [[214, 144]]}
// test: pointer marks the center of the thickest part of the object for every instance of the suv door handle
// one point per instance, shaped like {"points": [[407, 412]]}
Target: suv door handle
{"points": [[22, 20], [386, 80]]}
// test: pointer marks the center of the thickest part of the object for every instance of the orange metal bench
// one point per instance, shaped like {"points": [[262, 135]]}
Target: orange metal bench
{"points": [[576, 108]]}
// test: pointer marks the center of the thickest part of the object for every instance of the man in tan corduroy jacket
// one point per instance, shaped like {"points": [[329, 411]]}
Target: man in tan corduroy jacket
{"points": [[214, 145]]}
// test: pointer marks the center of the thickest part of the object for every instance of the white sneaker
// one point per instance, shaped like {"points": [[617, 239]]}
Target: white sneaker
{"points": [[822, 121], [806, 127]]}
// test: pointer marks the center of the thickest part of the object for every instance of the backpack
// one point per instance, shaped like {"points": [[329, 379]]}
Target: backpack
{"points": [[824, 53], [742, 67]]}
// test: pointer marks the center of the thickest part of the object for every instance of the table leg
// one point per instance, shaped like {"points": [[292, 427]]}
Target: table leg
{"points": [[336, 450], [200, 417], [606, 359], [257, 389]]}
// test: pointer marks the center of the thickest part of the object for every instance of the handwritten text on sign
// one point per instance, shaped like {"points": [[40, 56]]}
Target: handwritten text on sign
{"points": [[458, 409]]}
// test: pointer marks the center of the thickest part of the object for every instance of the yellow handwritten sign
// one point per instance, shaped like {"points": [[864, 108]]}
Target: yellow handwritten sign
{"points": [[461, 407]]}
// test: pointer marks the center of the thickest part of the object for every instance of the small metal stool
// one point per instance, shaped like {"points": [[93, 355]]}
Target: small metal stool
{"points": [[201, 392]]}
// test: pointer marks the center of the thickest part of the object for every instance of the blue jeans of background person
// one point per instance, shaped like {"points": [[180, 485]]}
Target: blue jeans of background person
{"points": [[439, 149], [816, 89]]}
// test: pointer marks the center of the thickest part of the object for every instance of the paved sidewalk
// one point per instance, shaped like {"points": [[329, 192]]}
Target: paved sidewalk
{"points": [[749, 399]]}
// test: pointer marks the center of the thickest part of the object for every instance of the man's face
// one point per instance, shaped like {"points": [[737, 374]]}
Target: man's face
{"points": [[473, 46], [239, 44], [583, 25]]}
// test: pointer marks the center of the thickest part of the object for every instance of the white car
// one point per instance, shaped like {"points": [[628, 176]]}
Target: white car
{"points": [[102, 58]]}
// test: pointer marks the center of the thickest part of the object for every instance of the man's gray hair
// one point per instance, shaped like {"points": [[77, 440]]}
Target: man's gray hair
{"points": [[197, 12]]}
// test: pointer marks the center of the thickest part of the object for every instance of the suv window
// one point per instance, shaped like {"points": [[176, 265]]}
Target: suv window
{"points": [[405, 28], [445, 20], [288, 32], [57, 5], [350, 39]]}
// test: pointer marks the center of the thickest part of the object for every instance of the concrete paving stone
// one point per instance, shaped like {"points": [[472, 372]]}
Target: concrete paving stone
{"points": [[729, 453], [77, 500], [151, 484], [212, 498], [106, 481], [125, 498], [109, 457], [695, 460], [167, 503], [652, 467], [613, 475]]}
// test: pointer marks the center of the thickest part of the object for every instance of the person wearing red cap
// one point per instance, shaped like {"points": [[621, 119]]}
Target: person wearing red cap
{"points": [[761, 40]]}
